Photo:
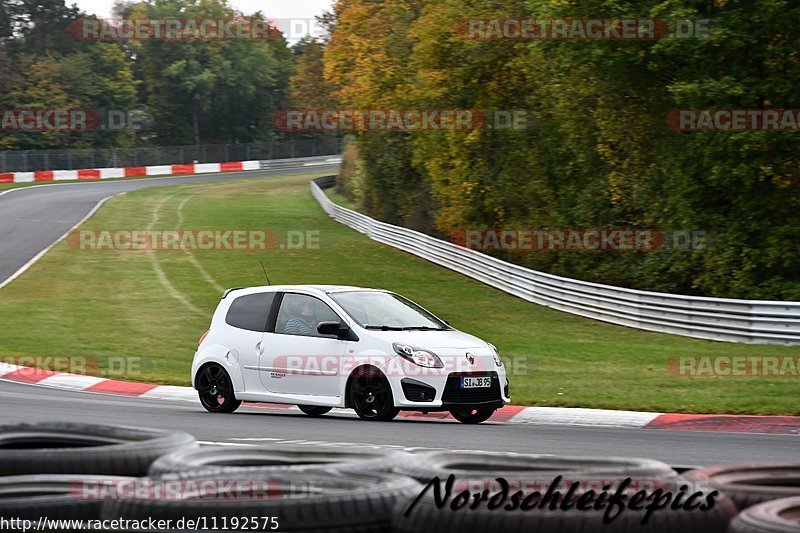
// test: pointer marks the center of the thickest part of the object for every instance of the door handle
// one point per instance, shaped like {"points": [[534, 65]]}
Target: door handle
{"points": [[260, 348]]}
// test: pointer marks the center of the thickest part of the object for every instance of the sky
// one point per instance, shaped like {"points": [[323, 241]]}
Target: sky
{"points": [[272, 9]]}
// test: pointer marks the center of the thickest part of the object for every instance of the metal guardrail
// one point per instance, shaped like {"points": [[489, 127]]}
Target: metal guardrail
{"points": [[721, 319], [271, 164]]}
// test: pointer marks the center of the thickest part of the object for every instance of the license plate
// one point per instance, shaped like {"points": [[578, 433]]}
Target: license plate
{"points": [[476, 383]]}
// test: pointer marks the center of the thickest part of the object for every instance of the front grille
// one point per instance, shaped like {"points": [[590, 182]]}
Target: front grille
{"points": [[453, 393]]}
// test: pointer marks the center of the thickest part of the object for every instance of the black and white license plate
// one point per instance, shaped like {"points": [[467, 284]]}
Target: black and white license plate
{"points": [[476, 383]]}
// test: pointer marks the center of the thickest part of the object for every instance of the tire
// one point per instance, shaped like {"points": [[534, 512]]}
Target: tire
{"points": [[530, 467], [215, 389], [56, 497], [425, 517], [328, 502], [472, 415], [751, 484], [73, 448], [774, 516], [370, 396], [264, 460], [314, 410]]}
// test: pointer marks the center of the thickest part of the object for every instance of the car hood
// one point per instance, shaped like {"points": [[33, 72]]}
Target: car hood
{"points": [[433, 340]]}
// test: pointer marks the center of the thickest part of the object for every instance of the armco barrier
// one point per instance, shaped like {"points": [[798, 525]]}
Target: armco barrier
{"points": [[272, 164], [750, 321]]}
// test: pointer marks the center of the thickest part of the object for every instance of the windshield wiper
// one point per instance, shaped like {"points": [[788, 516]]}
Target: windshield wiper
{"points": [[384, 328], [421, 328]]}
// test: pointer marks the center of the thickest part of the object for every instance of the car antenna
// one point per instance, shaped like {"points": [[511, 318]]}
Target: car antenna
{"points": [[265, 272]]}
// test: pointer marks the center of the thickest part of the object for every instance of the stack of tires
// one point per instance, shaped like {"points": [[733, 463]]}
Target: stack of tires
{"points": [[92, 472], [766, 494], [45, 468]]}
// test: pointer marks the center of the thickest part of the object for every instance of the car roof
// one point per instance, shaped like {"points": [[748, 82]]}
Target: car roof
{"points": [[320, 289]]}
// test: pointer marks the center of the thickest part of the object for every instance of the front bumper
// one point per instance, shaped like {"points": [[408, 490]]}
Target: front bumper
{"points": [[442, 392]]}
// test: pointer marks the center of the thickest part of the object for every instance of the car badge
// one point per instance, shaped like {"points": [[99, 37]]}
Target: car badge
{"points": [[470, 358]]}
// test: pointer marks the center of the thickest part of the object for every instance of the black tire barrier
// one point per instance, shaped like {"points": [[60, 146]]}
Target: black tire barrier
{"points": [[71, 448], [199, 462], [57, 497], [477, 465], [774, 516], [751, 484], [299, 501], [426, 517]]}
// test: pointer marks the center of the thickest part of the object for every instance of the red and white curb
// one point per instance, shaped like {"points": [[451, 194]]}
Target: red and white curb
{"points": [[128, 172], [158, 170], [510, 414]]}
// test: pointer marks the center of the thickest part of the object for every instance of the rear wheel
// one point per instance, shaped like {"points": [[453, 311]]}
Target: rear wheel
{"points": [[314, 410], [472, 415], [371, 397], [215, 389]]}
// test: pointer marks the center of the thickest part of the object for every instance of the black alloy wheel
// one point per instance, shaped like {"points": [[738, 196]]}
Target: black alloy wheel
{"points": [[215, 389]]}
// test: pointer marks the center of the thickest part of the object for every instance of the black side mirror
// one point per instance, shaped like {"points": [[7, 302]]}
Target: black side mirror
{"points": [[336, 329]]}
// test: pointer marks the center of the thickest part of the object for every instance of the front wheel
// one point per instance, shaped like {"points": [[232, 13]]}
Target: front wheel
{"points": [[472, 415], [371, 397], [215, 389], [314, 410]]}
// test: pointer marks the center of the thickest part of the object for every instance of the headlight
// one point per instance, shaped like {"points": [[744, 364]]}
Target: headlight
{"points": [[418, 356], [497, 361]]}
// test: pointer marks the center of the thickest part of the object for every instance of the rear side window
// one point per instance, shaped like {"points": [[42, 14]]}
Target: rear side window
{"points": [[250, 312]]}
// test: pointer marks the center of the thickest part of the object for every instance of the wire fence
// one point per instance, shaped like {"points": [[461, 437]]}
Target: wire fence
{"points": [[74, 159]]}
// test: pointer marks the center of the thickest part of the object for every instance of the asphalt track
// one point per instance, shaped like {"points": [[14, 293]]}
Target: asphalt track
{"points": [[32, 218], [255, 425]]}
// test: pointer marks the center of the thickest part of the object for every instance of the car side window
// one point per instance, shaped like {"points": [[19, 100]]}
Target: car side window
{"points": [[300, 314], [250, 312]]}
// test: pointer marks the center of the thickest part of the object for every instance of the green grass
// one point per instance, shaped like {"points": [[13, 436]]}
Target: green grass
{"points": [[111, 303]]}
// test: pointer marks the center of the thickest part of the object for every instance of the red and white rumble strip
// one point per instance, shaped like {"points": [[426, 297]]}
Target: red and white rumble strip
{"points": [[510, 414], [127, 172]]}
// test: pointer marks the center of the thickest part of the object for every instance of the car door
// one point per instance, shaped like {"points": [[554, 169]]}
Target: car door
{"points": [[247, 319], [297, 359]]}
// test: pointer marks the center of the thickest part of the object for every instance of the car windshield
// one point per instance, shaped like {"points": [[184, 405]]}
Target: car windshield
{"points": [[387, 311]]}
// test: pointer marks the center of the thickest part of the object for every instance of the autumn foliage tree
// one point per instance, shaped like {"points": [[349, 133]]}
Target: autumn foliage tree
{"points": [[597, 152]]}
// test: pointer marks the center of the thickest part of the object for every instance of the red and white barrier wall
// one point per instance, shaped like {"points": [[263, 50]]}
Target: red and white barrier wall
{"points": [[127, 172]]}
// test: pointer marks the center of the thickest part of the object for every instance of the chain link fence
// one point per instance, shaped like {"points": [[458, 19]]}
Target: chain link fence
{"points": [[73, 159]]}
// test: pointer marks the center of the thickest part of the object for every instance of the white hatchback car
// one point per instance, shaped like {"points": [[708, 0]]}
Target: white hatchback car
{"points": [[321, 347]]}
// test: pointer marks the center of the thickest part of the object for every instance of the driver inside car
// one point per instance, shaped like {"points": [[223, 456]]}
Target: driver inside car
{"points": [[303, 320]]}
